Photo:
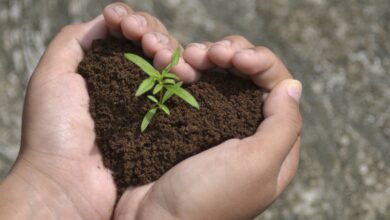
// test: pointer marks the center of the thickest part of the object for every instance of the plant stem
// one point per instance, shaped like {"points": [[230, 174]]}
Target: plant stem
{"points": [[162, 89], [161, 95]]}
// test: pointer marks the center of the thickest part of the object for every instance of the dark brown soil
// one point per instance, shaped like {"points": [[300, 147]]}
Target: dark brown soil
{"points": [[230, 107]]}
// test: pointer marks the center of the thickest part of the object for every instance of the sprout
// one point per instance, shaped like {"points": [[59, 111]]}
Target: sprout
{"points": [[162, 84]]}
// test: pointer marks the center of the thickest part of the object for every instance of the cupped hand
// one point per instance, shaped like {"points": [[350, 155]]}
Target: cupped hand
{"points": [[237, 179], [60, 166]]}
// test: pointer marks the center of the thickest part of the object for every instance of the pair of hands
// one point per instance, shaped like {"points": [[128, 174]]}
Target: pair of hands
{"points": [[59, 172]]}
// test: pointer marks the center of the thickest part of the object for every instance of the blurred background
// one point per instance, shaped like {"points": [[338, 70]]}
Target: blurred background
{"points": [[340, 50]]}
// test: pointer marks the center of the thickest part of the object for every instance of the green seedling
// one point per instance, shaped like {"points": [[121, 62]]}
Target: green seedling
{"points": [[161, 86]]}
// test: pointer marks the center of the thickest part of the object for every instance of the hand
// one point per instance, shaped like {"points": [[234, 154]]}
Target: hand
{"points": [[237, 179], [59, 172]]}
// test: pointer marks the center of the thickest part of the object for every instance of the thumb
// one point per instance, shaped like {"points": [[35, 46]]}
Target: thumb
{"points": [[66, 50], [281, 127]]}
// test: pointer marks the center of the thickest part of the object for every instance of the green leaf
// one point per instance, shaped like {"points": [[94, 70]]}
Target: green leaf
{"points": [[157, 88], [167, 95], [174, 60], [169, 81], [178, 84], [183, 94], [153, 99], [170, 75], [148, 117], [175, 57], [164, 108], [143, 64], [145, 86]]}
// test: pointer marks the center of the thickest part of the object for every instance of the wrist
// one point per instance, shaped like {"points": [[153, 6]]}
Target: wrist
{"points": [[27, 193]]}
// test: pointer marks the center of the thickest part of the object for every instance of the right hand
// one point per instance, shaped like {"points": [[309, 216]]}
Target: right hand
{"points": [[237, 179]]}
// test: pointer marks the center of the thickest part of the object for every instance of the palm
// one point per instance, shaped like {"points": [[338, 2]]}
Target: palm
{"points": [[210, 180], [58, 140], [205, 186]]}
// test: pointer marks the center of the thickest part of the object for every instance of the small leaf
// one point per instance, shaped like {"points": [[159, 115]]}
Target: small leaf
{"points": [[183, 94], [174, 60], [170, 75], [157, 89], [167, 95], [153, 99], [175, 57], [179, 84], [143, 64], [145, 86], [165, 109], [169, 81], [148, 117]]}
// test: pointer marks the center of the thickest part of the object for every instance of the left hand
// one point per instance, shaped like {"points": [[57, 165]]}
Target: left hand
{"points": [[59, 171]]}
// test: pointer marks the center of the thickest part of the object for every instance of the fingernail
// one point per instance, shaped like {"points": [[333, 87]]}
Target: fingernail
{"points": [[141, 21], [198, 45], [294, 90], [120, 10], [226, 43], [162, 39]]}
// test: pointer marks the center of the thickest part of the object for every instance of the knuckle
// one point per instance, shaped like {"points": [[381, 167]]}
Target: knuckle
{"points": [[120, 4], [239, 40], [151, 19], [153, 22], [270, 57]]}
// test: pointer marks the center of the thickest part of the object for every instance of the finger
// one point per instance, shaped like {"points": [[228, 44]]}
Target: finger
{"points": [[289, 168], [114, 14], [183, 70], [66, 51], [222, 52], [195, 54], [280, 129], [263, 66], [155, 41], [130, 202], [135, 26], [141, 26]]}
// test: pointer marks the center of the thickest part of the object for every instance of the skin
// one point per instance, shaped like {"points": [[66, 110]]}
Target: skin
{"points": [[59, 172]]}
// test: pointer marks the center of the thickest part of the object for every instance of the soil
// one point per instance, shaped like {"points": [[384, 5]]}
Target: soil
{"points": [[230, 107]]}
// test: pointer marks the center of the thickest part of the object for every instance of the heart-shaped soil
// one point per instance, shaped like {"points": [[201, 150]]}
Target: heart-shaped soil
{"points": [[230, 107]]}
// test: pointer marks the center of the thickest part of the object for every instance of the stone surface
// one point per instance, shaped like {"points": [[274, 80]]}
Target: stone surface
{"points": [[339, 49]]}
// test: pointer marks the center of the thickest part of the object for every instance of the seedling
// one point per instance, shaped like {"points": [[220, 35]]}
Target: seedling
{"points": [[162, 86]]}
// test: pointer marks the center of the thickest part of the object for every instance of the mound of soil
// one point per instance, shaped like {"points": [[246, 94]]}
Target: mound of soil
{"points": [[230, 107]]}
